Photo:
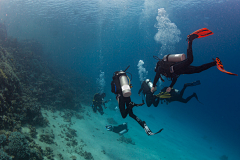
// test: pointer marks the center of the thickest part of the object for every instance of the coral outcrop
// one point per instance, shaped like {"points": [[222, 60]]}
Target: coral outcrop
{"points": [[3, 32], [123, 139], [17, 146]]}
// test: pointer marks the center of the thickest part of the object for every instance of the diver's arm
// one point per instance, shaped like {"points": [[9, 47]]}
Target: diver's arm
{"points": [[157, 76], [173, 82], [140, 90]]}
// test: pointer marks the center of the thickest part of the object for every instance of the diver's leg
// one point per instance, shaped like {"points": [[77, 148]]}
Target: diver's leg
{"points": [[122, 102], [155, 101], [187, 99], [182, 91], [185, 63], [148, 100], [136, 118], [143, 124], [198, 69], [175, 97], [94, 108], [100, 109]]}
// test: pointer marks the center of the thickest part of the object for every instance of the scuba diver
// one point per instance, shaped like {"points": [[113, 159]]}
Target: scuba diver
{"points": [[146, 90], [121, 86], [175, 95], [172, 66], [120, 129], [98, 101]]}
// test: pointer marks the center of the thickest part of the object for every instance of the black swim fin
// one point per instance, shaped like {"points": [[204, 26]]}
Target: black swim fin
{"points": [[148, 131], [195, 83], [204, 32], [195, 95]]}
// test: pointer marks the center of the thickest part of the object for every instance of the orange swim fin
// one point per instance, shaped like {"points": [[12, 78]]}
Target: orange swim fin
{"points": [[220, 67], [204, 32]]}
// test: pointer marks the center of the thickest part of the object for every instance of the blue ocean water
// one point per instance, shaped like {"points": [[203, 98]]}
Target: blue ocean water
{"points": [[96, 38]]}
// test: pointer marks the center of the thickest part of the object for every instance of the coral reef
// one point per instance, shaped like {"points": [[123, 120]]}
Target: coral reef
{"points": [[79, 150], [16, 109], [49, 153], [87, 155], [28, 85], [3, 139], [48, 137], [73, 157], [111, 121], [69, 113], [3, 32], [123, 139], [18, 146], [4, 155], [33, 131], [71, 133], [60, 156]]}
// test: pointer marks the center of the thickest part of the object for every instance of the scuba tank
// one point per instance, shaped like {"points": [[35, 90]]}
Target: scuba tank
{"points": [[126, 90], [150, 85], [123, 131], [120, 83], [174, 57]]}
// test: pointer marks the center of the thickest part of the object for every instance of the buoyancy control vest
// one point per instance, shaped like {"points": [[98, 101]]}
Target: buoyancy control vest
{"points": [[163, 65], [164, 68], [121, 84]]}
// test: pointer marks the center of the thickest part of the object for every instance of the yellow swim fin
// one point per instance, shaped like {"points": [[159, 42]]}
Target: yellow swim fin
{"points": [[164, 95]]}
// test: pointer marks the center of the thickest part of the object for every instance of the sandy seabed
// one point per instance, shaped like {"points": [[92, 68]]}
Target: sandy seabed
{"points": [[87, 138]]}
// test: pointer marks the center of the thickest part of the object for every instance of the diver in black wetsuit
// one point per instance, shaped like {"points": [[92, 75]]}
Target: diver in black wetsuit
{"points": [[174, 70], [126, 101], [121, 87], [98, 101], [146, 89], [120, 129], [175, 95]]}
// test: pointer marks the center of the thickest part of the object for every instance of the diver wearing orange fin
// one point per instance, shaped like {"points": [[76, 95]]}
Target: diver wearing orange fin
{"points": [[173, 65]]}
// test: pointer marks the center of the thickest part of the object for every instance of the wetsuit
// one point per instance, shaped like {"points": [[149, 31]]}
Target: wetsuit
{"points": [[119, 128], [182, 67], [125, 104], [97, 103], [150, 98], [126, 101], [176, 96]]}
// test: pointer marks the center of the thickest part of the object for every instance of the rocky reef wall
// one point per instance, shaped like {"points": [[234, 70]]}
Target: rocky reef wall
{"points": [[27, 85]]}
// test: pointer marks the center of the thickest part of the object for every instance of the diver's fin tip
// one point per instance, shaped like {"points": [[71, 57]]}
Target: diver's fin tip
{"points": [[204, 32], [220, 67]]}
